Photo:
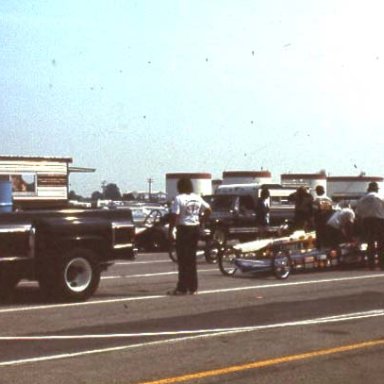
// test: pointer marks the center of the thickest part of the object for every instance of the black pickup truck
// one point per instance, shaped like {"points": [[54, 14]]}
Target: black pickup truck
{"points": [[64, 250], [234, 217]]}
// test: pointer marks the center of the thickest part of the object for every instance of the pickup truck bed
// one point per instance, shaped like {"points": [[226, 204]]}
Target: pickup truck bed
{"points": [[64, 250]]}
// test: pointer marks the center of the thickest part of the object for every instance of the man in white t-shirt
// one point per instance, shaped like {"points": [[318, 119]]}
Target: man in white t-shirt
{"points": [[186, 210]]}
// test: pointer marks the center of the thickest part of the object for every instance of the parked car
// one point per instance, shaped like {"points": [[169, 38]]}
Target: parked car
{"points": [[151, 228]]}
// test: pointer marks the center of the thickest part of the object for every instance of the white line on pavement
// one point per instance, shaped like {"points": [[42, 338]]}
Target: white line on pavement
{"points": [[277, 284], [320, 320], [200, 334], [134, 262], [113, 277], [149, 274]]}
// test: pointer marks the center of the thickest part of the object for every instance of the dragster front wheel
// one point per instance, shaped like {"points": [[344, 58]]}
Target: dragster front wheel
{"points": [[226, 259], [282, 266]]}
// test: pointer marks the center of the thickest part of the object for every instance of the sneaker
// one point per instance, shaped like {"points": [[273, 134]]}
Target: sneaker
{"points": [[192, 292], [176, 292]]}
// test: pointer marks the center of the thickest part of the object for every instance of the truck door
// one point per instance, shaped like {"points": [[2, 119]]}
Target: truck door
{"points": [[245, 217]]}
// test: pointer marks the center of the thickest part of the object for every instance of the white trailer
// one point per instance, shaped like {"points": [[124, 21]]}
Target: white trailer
{"points": [[279, 195], [38, 181]]}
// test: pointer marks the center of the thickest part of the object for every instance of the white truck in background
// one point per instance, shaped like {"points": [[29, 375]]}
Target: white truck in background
{"points": [[279, 194]]}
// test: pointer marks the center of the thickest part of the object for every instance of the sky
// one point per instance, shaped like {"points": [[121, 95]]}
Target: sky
{"points": [[139, 89]]}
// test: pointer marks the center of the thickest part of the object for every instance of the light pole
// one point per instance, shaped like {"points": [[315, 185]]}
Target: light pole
{"points": [[150, 182]]}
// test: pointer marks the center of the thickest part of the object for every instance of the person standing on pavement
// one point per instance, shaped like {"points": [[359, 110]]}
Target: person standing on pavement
{"points": [[370, 213], [322, 211], [186, 210], [262, 212], [303, 215]]}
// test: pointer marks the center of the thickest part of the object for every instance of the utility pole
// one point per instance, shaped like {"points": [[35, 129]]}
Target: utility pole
{"points": [[150, 182], [103, 185]]}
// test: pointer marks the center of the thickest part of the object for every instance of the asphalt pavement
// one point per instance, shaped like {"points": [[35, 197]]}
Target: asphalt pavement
{"points": [[314, 327]]}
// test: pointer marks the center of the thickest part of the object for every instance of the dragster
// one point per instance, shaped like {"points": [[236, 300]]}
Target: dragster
{"points": [[280, 256]]}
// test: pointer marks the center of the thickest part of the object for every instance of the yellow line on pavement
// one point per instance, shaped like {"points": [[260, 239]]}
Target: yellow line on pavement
{"points": [[266, 363]]}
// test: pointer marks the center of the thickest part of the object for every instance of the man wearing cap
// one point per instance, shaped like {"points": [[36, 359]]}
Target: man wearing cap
{"points": [[370, 213]]}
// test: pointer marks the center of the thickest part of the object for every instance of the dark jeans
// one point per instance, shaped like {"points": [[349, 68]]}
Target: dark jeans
{"points": [[321, 234], [332, 237], [186, 247], [303, 221], [372, 229], [320, 221]]}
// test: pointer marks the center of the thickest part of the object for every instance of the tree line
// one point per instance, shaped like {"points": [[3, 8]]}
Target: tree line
{"points": [[109, 191]]}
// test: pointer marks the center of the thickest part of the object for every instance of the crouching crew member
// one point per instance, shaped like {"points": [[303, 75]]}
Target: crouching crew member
{"points": [[340, 227], [186, 210]]}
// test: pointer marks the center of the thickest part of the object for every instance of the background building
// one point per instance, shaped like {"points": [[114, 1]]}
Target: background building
{"points": [[350, 187], [310, 180], [38, 182], [246, 177], [202, 183]]}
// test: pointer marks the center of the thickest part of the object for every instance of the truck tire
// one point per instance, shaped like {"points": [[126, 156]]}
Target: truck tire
{"points": [[75, 276]]}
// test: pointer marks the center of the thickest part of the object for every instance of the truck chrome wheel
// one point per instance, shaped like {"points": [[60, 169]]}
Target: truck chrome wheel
{"points": [[226, 260], [78, 274]]}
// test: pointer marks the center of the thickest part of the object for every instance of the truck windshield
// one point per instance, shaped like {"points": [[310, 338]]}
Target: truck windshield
{"points": [[220, 202]]}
